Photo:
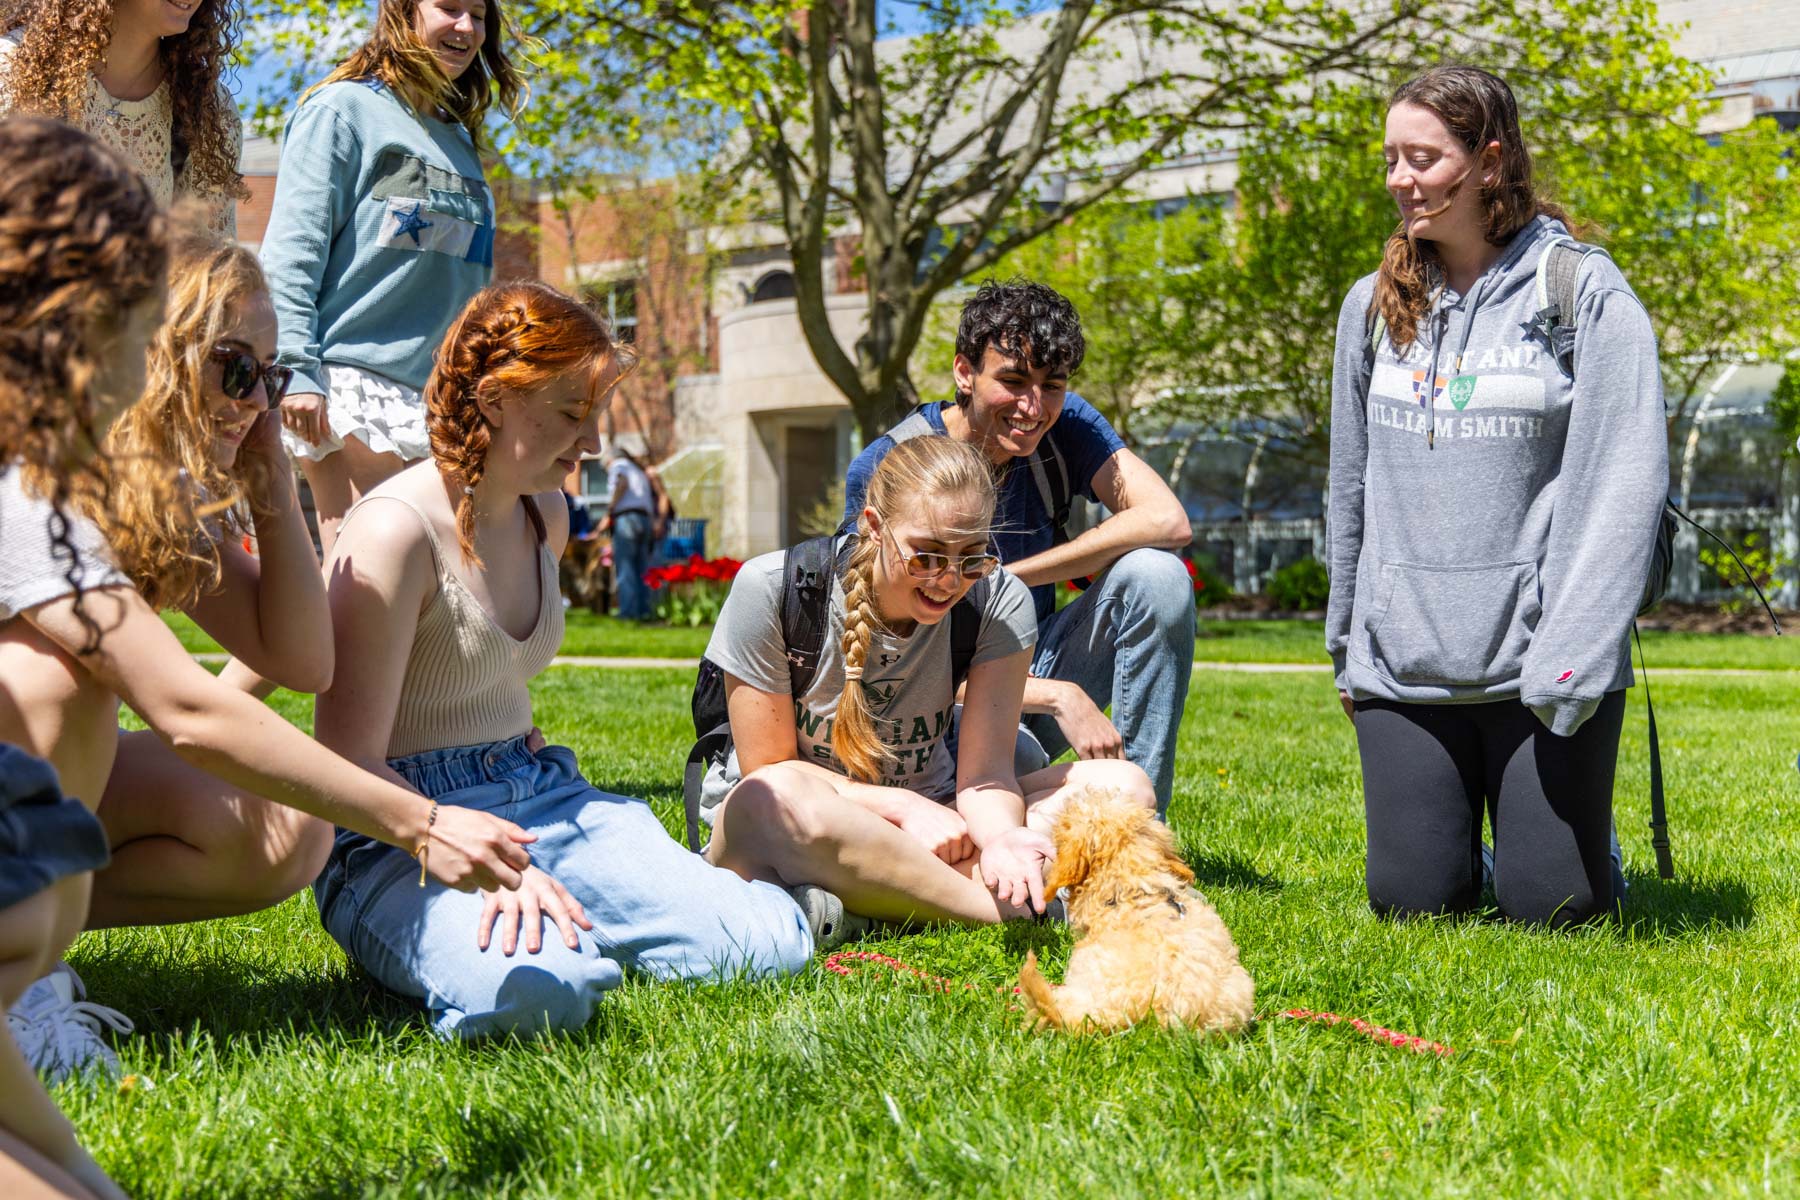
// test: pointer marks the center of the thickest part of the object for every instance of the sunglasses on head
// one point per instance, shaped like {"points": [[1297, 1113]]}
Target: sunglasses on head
{"points": [[239, 370], [929, 564]]}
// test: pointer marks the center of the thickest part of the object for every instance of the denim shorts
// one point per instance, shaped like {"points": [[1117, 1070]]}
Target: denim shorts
{"points": [[657, 909], [44, 835]]}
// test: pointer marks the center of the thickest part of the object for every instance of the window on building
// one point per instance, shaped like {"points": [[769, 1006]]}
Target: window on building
{"points": [[776, 285], [617, 302]]}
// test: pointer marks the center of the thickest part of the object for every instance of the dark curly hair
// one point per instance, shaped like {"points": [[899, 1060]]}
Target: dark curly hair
{"points": [[63, 42], [1022, 319]]}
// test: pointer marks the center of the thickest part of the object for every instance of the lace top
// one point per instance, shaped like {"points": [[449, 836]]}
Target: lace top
{"points": [[141, 132]]}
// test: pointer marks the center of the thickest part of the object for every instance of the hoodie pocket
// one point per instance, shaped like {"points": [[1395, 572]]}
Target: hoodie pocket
{"points": [[1453, 626]]}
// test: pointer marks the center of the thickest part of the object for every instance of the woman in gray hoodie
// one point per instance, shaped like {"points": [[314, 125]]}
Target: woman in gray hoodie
{"points": [[1492, 517]]}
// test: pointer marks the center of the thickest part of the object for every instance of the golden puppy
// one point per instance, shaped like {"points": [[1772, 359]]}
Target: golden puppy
{"points": [[1150, 944]]}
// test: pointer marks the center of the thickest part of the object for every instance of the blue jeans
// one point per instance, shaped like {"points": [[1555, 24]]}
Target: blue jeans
{"points": [[44, 835], [656, 908], [631, 542], [1128, 642]]}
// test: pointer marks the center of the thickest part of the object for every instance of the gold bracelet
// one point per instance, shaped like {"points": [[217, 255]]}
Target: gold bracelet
{"points": [[424, 851]]}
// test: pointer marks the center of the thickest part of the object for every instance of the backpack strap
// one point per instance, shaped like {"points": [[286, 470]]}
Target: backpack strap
{"points": [[965, 632], [806, 573], [1659, 812], [1558, 276], [714, 746], [1051, 475]]}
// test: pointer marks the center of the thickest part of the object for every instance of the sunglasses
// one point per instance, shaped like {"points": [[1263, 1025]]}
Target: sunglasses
{"points": [[929, 565], [239, 372]]}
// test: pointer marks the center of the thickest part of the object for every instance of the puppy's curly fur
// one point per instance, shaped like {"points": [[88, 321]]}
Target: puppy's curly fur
{"points": [[1151, 946]]}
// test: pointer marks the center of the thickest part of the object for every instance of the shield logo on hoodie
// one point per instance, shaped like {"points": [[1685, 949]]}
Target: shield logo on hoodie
{"points": [[1462, 390], [1419, 388]]}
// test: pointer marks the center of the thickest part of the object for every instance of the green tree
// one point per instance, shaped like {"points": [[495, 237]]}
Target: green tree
{"points": [[947, 149]]}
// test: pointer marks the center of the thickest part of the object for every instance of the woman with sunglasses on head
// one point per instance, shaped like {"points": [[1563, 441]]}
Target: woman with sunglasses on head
{"points": [[866, 795], [145, 78], [200, 812], [382, 227]]}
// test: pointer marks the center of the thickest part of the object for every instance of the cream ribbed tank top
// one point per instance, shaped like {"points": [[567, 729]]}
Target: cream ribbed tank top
{"points": [[465, 682]]}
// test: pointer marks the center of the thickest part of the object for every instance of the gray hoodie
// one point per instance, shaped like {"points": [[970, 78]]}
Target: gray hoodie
{"points": [[1504, 555]]}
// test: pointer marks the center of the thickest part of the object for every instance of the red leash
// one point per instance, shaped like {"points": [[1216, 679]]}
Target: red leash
{"points": [[837, 964], [1400, 1041]]}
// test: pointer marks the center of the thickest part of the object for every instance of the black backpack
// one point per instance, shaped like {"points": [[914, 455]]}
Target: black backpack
{"points": [[806, 571], [1557, 272]]}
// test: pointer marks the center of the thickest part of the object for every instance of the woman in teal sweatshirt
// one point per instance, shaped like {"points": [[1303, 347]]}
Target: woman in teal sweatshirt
{"points": [[1493, 509], [382, 228]]}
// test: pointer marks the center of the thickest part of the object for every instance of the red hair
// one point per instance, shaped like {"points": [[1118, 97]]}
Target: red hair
{"points": [[520, 336]]}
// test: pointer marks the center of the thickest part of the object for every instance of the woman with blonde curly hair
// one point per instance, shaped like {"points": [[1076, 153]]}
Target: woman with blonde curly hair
{"points": [[81, 263], [144, 77], [445, 606], [198, 811], [382, 227], [908, 810]]}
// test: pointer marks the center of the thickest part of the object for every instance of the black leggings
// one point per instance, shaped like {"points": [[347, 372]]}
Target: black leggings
{"points": [[1428, 769]]}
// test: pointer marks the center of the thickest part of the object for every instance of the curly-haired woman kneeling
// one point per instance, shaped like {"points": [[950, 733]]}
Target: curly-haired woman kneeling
{"points": [[445, 605]]}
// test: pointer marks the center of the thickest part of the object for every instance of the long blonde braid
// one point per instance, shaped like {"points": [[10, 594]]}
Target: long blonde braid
{"points": [[916, 475]]}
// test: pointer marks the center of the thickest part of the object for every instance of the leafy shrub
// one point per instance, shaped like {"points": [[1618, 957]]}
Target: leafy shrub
{"points": [[1300, 586]]}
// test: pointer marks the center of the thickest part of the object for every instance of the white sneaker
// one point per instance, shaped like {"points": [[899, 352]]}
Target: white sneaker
{"points": [[831, 926], [60, 1032]]}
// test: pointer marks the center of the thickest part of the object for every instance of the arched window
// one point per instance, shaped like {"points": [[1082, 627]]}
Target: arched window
{"points": [[776, 285]]}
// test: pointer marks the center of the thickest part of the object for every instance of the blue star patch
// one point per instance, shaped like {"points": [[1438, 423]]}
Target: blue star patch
{"points": [[411, 223]]}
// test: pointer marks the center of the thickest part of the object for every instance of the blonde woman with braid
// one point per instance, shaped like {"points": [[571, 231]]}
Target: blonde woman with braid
{"points": [[865, 795], [445, 605]]}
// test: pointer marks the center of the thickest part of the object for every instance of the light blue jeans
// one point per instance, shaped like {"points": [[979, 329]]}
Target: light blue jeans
{"points": [[632, 540], [1128, 642], [656, 908]]}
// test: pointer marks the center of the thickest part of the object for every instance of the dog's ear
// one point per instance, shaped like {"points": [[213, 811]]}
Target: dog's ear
{"points": [[1074, 862]]}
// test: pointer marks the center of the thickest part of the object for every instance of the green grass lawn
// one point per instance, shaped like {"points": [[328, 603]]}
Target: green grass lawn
{"points": [[1217, 641], [1658, 1055]]}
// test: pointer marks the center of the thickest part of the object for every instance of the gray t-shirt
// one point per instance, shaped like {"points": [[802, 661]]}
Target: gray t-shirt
{"points": [[33, 569], [908, 678]]}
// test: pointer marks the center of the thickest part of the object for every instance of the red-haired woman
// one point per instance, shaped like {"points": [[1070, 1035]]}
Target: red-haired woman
{"points": [[382, 226], [1494, 498], [142, 77], [445, 605]]}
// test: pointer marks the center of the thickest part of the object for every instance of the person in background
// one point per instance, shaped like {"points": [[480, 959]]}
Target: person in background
{"points": [[636, 518]]}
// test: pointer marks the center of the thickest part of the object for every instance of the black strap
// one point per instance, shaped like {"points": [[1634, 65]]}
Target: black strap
{"points": [[806, 571], [1659, 812], [714, 746], [1751, 579], [965, 631]]}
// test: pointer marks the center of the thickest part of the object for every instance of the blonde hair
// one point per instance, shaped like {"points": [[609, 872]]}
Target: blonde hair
{"points": [[917, 472], [396, 57], [156, 523]]}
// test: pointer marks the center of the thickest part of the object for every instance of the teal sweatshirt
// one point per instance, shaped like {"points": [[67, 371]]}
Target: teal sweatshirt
{"points": [[382, 228], [1505, 555]]}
